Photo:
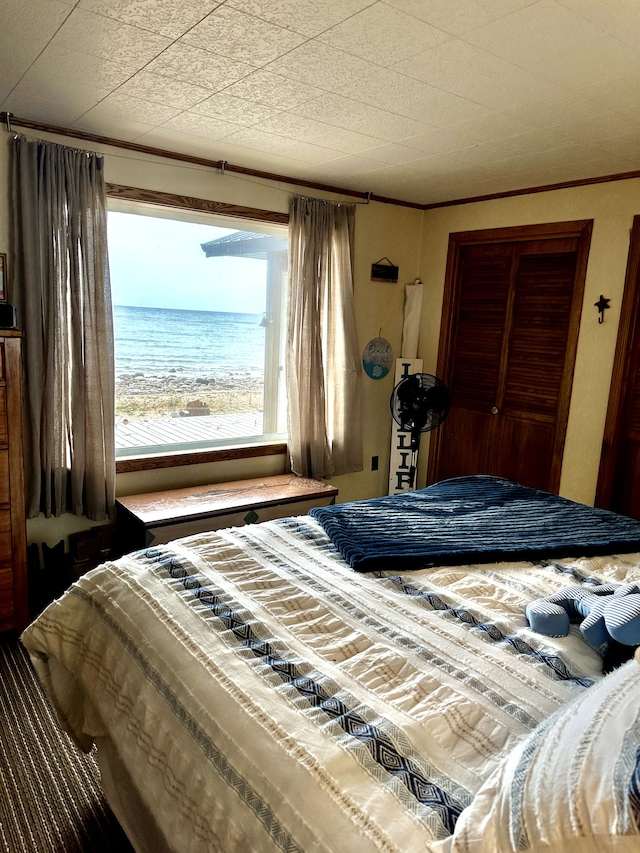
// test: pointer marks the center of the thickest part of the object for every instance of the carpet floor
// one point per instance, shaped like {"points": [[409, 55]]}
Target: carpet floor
{"points": [[50, 795]]}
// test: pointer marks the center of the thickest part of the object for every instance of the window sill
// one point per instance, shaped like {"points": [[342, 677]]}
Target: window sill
{"points": [[152, 462]]}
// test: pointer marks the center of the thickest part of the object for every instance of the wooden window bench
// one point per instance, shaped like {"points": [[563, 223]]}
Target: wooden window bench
{"points": [[158, 517]]}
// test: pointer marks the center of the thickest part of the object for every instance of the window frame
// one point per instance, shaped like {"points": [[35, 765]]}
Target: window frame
{"points": [[192, 204]]}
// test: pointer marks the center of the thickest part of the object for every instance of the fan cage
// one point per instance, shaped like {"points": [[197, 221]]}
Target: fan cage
{"points": [[420, 402]]}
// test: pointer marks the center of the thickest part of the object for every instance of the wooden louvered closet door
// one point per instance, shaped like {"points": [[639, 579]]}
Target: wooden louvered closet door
{"points": [[507, 351], [619, 475]]}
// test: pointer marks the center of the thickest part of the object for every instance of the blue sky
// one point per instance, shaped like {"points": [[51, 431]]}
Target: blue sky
{"points": [[159, 263]]}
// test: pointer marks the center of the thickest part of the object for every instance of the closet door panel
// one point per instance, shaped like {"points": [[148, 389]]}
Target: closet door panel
{"points": [[482, 307], [626, 490], [540, 327], [619, 476], [535, 366], [626, 497], [523, 445], [473, 373], [467, 444]]}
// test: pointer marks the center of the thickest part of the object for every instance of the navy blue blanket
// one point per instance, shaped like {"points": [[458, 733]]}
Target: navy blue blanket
{"points": [[476, 519]]}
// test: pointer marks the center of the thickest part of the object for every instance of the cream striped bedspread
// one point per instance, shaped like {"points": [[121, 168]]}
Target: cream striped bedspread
{"points": [[265, 697]]}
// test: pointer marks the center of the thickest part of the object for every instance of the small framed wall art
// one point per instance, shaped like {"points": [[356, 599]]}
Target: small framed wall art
{"points": [[384, 270], [377, 358]]}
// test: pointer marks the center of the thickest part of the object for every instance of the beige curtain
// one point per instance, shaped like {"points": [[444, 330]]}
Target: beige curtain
{"points": [[323, 359], [62, 295]]}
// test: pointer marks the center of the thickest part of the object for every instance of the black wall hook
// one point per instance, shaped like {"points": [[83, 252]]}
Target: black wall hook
{"points": [[602, 304]]}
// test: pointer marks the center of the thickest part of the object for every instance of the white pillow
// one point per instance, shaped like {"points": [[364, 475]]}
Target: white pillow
{"points": [[572, 785]]}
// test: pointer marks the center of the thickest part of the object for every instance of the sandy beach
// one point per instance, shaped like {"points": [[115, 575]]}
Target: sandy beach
{"points": [[154, 396]]}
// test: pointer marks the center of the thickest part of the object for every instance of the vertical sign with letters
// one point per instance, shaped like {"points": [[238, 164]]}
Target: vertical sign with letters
{"points": [[400, 457]]}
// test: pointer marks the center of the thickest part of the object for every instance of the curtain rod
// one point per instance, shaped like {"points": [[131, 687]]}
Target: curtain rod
{"points": [[224, 166]]}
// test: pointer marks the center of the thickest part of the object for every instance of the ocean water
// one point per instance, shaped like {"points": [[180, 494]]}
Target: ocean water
{"points": [[163, 341]]}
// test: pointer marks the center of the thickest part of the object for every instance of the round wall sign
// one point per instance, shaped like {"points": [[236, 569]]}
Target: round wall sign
{"points": [[377, 358]]}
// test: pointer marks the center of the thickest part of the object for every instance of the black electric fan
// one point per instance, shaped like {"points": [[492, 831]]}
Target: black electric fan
{"points": [[419, 403]]}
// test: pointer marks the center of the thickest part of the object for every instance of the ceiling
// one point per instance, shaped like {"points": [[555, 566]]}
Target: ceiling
{"points": [[419, 100]]}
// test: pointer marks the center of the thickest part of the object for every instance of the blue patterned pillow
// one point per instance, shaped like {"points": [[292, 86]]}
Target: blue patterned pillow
{"points": [[572, 785]]}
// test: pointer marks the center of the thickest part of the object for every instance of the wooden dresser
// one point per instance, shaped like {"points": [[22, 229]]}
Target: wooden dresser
{"points": [[14, 609]]}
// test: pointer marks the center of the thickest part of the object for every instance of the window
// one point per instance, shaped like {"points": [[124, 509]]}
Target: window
{"points": [[198, 308]]}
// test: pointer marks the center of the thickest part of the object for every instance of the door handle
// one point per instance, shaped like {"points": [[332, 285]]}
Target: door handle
{"points": [[494, 410]]}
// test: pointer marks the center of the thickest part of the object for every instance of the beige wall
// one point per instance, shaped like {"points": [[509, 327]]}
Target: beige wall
{"points": [[612, 207], [381, 230]]}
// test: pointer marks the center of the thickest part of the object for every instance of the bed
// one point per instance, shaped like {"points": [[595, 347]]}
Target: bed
{"points": [[359, 679]]}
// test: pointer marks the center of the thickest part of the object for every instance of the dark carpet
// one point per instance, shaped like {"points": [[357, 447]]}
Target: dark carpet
{"points": [[50, 795]]}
